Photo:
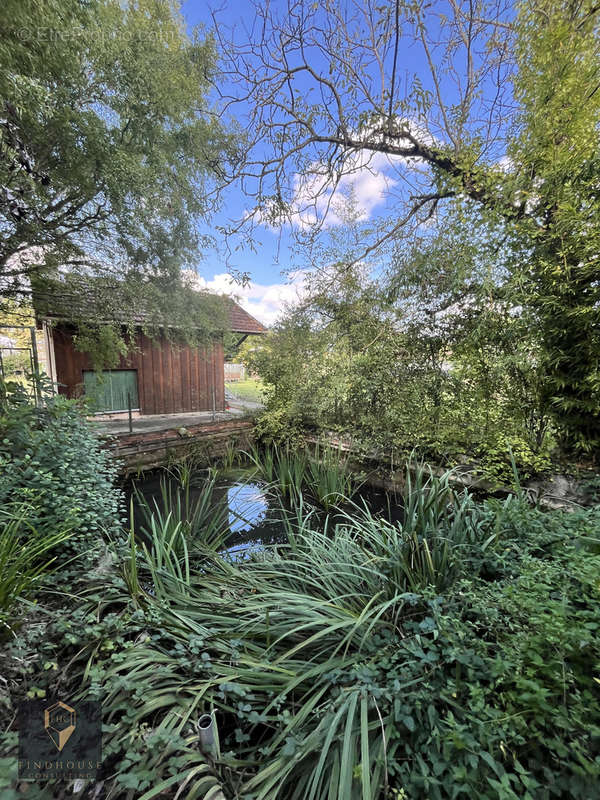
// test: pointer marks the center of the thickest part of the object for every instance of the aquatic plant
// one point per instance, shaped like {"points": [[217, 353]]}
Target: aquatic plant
{"points": [[232, 455], [330, 479], [282, 467], [358, 659], [337, 667], [443, 533], [323, 474], [177, 515]]}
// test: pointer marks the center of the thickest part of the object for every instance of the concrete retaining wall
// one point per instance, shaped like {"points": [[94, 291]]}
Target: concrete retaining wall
{"points": [[207, 442], [382, 471]]}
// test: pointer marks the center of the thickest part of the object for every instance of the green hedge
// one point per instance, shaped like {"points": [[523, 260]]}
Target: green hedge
{"points": [[52, 462]]}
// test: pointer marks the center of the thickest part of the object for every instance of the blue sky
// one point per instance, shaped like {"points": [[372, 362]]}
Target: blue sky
{"points": [[376, 189], [271, 252]]}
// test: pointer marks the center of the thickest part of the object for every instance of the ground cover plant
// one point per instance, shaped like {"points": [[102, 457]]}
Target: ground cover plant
{"points": [[453, 655]]}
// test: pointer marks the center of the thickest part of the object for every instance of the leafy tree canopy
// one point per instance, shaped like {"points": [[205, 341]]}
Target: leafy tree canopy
{"points": [[111, 150], [432, 352], [480, 104]]}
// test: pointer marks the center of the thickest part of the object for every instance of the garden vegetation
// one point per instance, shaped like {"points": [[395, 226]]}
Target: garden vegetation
{"points": [[449, 651], [453, 654]]}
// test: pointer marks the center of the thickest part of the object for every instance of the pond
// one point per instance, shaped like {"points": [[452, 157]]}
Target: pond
{"points": [[252, 512], [251, 509]]}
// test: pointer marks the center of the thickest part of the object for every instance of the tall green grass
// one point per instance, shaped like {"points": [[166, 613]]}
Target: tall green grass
{"points": [[282, 467], [297, 618], [330, 479], [185, 511], [287, 643], [25, 557], [324, 474]]}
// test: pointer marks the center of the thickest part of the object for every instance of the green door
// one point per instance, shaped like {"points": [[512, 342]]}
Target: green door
{"points": [[109, 389]]}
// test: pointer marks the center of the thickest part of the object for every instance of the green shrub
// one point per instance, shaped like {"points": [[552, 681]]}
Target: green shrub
{"points": [[342, 665], [496, 455], [278, 425], [52, 461]]}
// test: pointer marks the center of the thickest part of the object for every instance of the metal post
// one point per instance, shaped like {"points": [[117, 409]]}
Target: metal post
{"points": [[36, 367], [3, 401], [129, 412], [208, 734]]}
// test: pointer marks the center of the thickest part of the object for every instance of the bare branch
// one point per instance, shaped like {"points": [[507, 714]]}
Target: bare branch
{"points": [[318, 89]]}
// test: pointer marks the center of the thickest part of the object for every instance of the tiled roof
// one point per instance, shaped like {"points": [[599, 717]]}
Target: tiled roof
{"points": [[83, 300], [243, 322]]}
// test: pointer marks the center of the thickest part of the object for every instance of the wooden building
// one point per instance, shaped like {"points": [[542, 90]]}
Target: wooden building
{"points": [[158, 375]]}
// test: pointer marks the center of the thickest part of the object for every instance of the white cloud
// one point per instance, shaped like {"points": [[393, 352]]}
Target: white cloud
{"points": [[264, 301], [506, 164], [366, 178], [368, 175]]}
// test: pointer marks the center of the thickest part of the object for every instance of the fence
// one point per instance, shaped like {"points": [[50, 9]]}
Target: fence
{"points": [[234, 372], [19, 363]]}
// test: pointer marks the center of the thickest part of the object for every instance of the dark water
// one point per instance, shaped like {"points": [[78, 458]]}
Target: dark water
{"points": [[252, 511], [254, 514]]}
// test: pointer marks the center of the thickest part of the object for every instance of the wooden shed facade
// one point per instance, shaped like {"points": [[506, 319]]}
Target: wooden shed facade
{"points": [[158, 375]]}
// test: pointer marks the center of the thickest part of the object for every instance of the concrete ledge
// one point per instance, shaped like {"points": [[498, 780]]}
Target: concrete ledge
{"points": [[551, 493], [206, 441]]}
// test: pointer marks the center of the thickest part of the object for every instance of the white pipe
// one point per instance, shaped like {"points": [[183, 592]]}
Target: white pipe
{"points": [[206, 731]]}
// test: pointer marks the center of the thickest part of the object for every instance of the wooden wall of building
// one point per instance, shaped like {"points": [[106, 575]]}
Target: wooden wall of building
{"points": [[172, 378]]}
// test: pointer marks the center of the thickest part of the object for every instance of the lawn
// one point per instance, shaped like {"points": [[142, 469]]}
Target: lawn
{"points": [[248, 389]]}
